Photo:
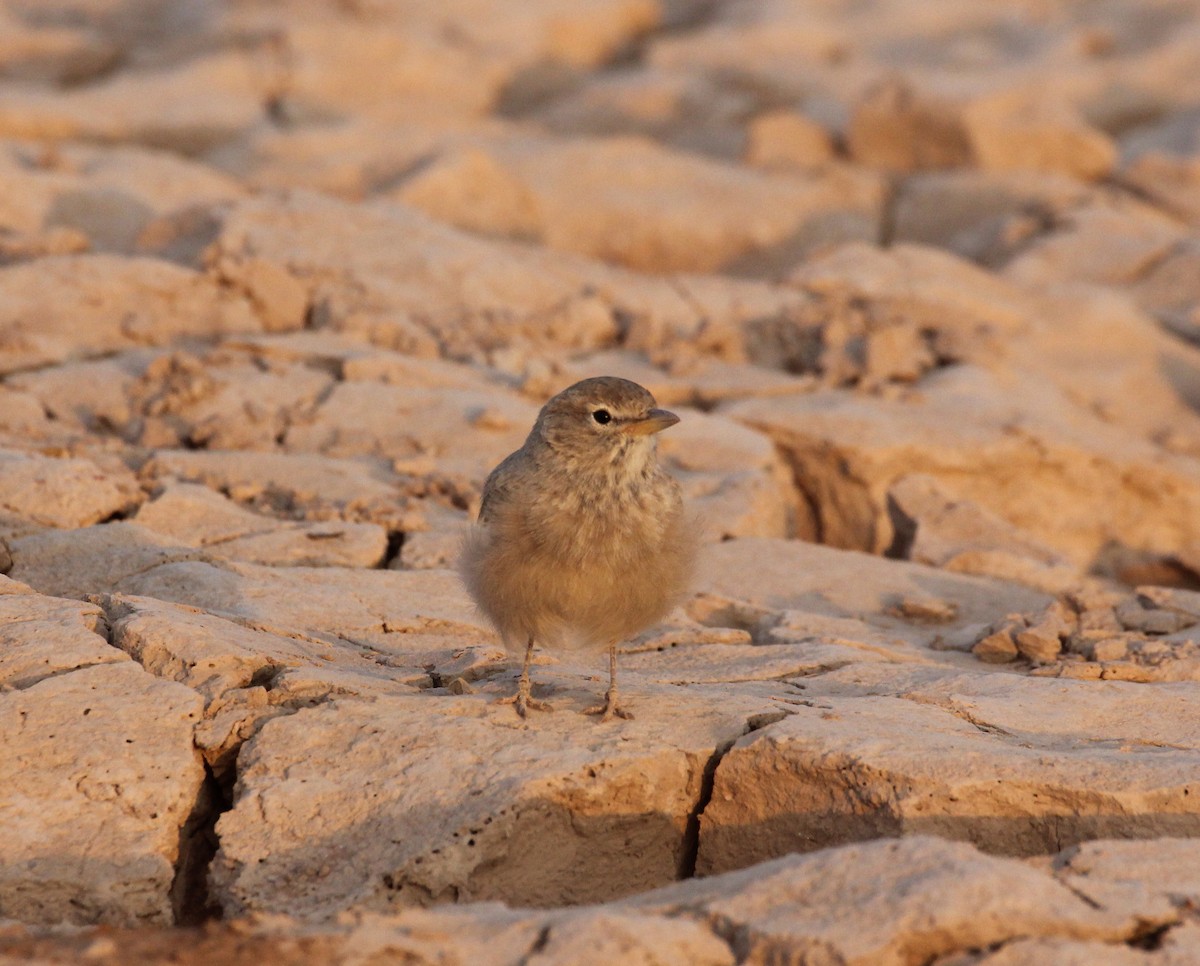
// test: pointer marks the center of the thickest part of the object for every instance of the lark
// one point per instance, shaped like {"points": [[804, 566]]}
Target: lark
{"points": [[582, 538]]}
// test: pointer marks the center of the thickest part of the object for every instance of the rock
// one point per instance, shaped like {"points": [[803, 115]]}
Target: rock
{"points": [[403, 617], [1042, 640], [545, 200], [1016, 765], [43, 637], [996, 648], [78, 305], [924, 897], [1133, 616], [468, 431], [529, 817], [985, 216], [846, 452], [933, 526], [1016, 130], [185, 108], [686, 109], [64, 492], [783, 140], [106, 757], [200, 517], [75, 563], [785, 576], [310, 486], [1102, 244], [246, 676]]}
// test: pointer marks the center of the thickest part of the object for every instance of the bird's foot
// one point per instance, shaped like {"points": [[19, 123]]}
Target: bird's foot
{"points": [[610, 709], [525, 703]]}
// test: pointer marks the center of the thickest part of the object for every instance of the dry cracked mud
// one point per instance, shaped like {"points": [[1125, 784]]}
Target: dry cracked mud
{"points": [[281, 282]]}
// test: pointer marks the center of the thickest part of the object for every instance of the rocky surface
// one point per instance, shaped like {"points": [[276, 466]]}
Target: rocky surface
{"points": [[280, 283]]}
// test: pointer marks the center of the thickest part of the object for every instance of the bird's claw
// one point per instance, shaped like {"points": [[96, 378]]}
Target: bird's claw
{"points": [[609, 710], [525, 703]]}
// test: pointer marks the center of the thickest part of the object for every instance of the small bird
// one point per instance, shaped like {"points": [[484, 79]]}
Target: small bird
{"points": [[582, 539]]}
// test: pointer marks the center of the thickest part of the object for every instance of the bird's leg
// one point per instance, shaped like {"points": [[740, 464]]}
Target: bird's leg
{"points": [[610, 708], [524, 699]]}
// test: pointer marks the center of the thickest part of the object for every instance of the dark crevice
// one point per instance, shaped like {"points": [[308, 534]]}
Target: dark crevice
{"points": [[190, 900], [1150, 936], [395, 542], [691, 830], [539, 944]]}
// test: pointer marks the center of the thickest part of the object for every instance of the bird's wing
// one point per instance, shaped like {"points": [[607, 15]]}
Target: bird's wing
{"points": [[499, 482]]}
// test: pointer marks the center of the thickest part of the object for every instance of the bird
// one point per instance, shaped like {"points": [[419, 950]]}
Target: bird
{"points": [[582, 538]]}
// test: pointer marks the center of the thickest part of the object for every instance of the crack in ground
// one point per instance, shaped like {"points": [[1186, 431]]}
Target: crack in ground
{"points": [[691, 833]]}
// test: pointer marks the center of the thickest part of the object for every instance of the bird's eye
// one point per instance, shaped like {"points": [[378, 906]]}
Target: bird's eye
{"points": [[602, 416]]}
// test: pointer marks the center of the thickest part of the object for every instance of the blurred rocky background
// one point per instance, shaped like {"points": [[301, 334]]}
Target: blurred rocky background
{"points": [[281, 281]]}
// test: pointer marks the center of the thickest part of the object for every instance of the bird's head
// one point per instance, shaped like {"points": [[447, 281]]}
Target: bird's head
{"points": [[602, 420]]}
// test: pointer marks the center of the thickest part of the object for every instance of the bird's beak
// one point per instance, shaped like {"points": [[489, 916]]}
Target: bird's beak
{"points": [[653, 422]]}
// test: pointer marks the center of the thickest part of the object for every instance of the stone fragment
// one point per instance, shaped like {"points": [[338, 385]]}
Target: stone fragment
{"points": [[1017, 130], [57, 492], [789, 577], [43, 637], [1133, 616], [201, 517], [657, 196], [886, 902], [326, 821], [96, 822], [75, 563], [996, 648], [782, 140], [70, 306], [1017, 765], [846, 451]]}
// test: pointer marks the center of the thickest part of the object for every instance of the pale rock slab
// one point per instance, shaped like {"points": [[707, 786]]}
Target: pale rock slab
{"points": [[788, 590], [52, 53], [221, 400], [887, 902], [1016, 765], [69, 307], [93, 394], [658, 211], [108, 777], [461, 432], [347, 805], [394, 277], [400, 616], [91, 560], [924, 900], [246, 676], [116, 198], [184, 107], [201, 517], [1114, 243], [689, 110], [975, 429], [64, 493], [44, 637], [985, 216], [933, 525], [1026, 130], [734, 481], [782, 140], [310, 486]]}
